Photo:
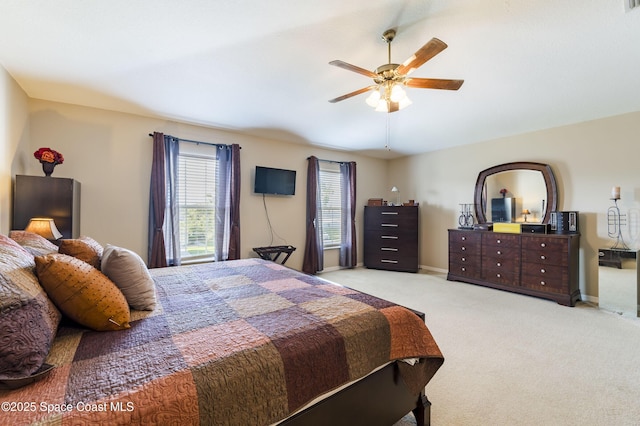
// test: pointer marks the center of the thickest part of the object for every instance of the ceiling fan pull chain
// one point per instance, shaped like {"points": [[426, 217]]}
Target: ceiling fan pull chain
{"points": [[387, 145]]}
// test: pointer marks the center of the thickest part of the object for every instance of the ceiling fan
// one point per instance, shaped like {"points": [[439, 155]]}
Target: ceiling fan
{"points": [[388, 93]]}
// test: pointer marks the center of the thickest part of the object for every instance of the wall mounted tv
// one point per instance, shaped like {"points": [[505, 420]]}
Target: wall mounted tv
{"points": [[274, 181]]}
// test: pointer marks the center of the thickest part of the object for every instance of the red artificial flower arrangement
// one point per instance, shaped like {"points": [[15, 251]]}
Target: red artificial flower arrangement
{"points": [[503, 191], [48, 155]]}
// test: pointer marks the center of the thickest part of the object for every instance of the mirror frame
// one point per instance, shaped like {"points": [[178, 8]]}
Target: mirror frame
{"points": [[479, 197]]}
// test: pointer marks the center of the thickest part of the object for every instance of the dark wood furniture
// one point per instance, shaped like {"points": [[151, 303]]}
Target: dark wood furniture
{"points": [[381, 398], [40, 196], [541, 265], [272, 253], [391, 238]]}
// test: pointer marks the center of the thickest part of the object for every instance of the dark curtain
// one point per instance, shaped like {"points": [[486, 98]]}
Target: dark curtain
{"points": [[234, 238], [348, 252], [313, 255], [172, 214], [157, 252], [227, 216]]}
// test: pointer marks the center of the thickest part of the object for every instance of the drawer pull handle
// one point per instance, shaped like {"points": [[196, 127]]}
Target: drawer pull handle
{"points": [[390, 225], [543, 257], [498, 276], [542, 283], [543, 245], [394, 213], [498, 252], [464, 259], [498, 264], [388, 249], [542, 270], [388, 261], [388, 237], [498, 241], [464, 238], [463, 269], [463, 248]]}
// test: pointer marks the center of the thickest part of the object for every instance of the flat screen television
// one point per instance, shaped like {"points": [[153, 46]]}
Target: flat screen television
{"points": [[274, 181]]}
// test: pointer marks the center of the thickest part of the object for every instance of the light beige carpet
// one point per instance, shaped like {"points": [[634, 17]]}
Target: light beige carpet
{"points": [[516, 360]]}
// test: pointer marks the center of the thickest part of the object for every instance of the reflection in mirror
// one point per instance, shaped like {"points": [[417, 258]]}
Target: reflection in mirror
{"points": [[526, 186], [531, 185], [618, 283]]}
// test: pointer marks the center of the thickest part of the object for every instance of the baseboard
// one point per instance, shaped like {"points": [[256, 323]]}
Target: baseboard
{"points": [[337, 268], [434, 269]]}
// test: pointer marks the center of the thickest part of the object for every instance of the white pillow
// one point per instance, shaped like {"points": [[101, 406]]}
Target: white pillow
{"points": [[129, 272]]}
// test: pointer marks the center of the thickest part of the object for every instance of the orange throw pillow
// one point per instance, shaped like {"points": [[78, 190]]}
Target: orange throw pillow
{"points": [[82, 292], [83, 248]]}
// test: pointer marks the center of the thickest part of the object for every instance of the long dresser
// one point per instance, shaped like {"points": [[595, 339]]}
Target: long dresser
{"points": [[541, 265], [391, 238]]}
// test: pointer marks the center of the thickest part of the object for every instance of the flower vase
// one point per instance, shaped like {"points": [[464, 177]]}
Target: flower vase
{"points": [[47, 168]]}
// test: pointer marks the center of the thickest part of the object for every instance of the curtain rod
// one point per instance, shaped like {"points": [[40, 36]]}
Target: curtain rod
{"points": [[332, 161], [196, 142]]}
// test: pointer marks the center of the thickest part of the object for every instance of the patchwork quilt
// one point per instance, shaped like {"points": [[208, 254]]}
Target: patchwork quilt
{"points": [[238, 342]]}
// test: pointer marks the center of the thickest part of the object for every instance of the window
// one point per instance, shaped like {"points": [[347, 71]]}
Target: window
{"points": [[196, 205], [330, 205]]}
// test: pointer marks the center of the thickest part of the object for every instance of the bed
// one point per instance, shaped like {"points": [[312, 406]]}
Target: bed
{"points": [[238, 342]]}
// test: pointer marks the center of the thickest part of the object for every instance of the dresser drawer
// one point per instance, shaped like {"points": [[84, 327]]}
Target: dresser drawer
{"points": [[492, 253], [496, 239], [547, 251], [507, 276], [464, 265], [551, 278], [464, 238], [390, 218], [391, 260]]}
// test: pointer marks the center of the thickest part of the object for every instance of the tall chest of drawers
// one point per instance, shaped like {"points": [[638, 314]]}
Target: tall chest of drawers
{"points": [[542, 265], [391, 238]]}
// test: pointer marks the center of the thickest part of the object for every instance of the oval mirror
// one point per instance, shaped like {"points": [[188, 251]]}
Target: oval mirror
{"points": [[532, 186]]}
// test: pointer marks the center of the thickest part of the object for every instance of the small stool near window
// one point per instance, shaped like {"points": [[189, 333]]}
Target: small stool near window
{"points": [[272, 253]]}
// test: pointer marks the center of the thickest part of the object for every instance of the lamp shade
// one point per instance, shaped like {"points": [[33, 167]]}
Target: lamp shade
{"points": [[45, 227], [395, 189]]}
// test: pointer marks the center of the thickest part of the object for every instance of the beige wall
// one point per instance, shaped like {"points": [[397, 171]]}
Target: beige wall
{"points": [[110, 154], [587, 159], [13, 136]]}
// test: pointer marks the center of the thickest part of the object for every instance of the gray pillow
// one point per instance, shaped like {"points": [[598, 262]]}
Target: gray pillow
{"points": [[28, 319], [129, 272]]}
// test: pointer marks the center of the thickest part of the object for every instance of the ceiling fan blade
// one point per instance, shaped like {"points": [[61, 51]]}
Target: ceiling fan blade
{"points": [[349, 95], [433, 83], [353, 68], [426, 52]]}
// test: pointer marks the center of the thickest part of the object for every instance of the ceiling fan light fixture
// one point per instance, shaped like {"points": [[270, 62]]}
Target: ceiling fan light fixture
{"points": [[373, 99], [397, 93], [383, 106]]}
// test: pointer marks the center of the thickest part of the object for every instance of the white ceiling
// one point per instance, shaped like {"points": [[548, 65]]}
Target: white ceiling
{"points": [[261, 67]]}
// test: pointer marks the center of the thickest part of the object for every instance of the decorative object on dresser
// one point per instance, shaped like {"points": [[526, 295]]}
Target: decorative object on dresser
{"points": [[391, 238], [564, 222], [466, 219], [541, 265], [396, 191], [49, 159], [523, 258], [49, 197]]}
